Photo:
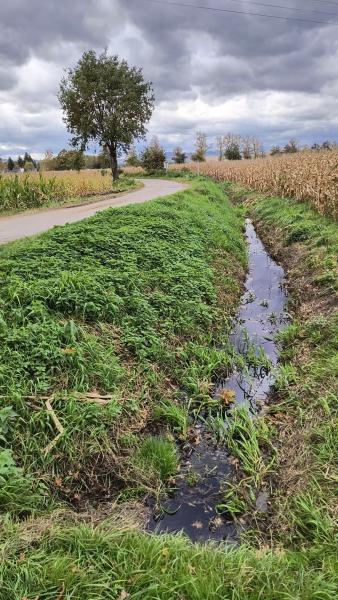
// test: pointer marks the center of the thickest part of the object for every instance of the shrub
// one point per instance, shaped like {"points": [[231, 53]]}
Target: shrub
{"points": [[153, 157]]}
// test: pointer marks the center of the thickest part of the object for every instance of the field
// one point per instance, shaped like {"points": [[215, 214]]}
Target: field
{"points": [[28, 191], [310, 177], [112, 331]]}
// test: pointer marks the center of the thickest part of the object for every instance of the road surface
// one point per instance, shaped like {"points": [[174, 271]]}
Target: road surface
{"points": [[22, 225]]}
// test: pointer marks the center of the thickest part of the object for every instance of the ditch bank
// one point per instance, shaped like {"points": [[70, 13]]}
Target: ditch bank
{"points": [[198, 501], [302, 413]]}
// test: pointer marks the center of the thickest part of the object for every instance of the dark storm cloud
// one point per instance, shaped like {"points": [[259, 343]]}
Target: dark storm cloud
{"points": [[38, 26], [258, 53], [284, 72]]}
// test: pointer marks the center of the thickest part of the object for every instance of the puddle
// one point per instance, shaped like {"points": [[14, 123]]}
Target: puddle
{"points": [[191, 504]]}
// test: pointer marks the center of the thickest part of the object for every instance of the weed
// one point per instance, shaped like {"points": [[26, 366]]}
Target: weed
{"points": [[104, 563], [173, 414], [158, 455], [122, 310]]}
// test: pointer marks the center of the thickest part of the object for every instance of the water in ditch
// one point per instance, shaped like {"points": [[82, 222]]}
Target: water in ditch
{"points": [[191, 506]]}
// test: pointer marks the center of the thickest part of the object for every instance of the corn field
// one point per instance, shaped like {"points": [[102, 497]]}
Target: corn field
{"points": [[306, 176], [21, 192]]}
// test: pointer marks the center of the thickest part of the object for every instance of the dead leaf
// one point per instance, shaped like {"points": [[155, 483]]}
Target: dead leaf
{"points": [[123, 595], [227, 397], [217, 522], [68, 350], [198, 525]]}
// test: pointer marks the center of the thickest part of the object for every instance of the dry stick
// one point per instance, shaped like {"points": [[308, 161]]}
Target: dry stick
{"points": [[58, 426], [95, 398]]}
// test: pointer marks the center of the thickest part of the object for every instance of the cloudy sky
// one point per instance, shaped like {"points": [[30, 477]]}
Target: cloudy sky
{"points": [[211, 70]]}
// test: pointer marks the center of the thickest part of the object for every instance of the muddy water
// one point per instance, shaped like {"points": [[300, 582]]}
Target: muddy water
{"points": [[192, 504]]}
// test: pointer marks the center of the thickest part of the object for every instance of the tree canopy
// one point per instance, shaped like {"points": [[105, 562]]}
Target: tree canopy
{"points": [[106, 101], [153, 156], [201, 147], [179, 157]]}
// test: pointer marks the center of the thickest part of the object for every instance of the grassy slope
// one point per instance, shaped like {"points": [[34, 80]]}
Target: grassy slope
{"points": [[123, 304], [186, 235], [305, 410]]}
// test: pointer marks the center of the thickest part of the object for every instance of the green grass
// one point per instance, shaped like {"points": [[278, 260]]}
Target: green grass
{"points": [[123, 305], [157, 455], [304, 413], [107, 564], [119, 320]]}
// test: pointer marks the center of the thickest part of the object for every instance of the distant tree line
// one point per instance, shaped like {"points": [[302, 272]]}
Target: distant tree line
{"points": [[26, 163], [294, 146], [74, 160]]}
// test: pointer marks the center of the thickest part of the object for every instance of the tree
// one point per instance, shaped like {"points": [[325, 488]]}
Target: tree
{"points": [[103, 159], [69, 159], [201, 146], [179, 157], [49, 161], [291, 147], [106, 101], [132, 158], [247, 147], [220, 143], [28, 159], [257, 147], [233, 152], [78, 161], [10, 164], [153, 157], [327, 145], [20, 162], [275, 151], [29, 166]]}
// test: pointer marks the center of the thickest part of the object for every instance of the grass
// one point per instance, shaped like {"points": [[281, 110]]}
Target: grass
{"points": [[111, 320], [103, 563], [174, 414], [157, 455], [33, 191], [118, 320], [304, 411]]}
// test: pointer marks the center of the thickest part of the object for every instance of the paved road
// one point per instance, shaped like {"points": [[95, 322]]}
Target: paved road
{"points": [[26, 224]]}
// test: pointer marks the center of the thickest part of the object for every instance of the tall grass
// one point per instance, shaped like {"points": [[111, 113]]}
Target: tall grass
{"points": [[309, 176], [106, 564]]}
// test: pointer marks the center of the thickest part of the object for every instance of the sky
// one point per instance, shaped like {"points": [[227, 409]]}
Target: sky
{"points": [[211, 70]]}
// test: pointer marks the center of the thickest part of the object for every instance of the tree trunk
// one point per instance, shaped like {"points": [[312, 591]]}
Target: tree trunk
{"points": [[113, 163]]}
